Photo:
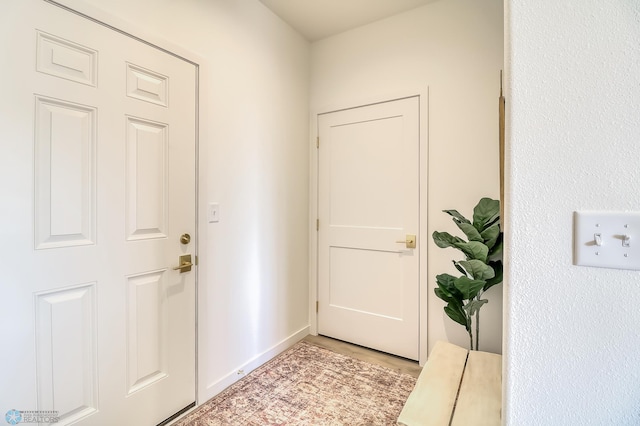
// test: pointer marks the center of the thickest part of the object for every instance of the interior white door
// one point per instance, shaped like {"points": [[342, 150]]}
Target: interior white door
{"points": [[368, 204], [97, 172]]}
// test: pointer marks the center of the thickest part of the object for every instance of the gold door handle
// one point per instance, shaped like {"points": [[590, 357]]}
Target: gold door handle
{"points": [[185, 263], [409, 241]]}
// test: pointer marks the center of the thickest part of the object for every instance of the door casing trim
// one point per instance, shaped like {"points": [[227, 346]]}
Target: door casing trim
{"points": [[423, 94]]}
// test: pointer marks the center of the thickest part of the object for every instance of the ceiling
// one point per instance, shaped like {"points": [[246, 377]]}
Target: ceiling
{"points": [[317, 19]]}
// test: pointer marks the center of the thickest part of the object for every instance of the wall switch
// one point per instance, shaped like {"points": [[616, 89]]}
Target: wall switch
{"points": [[213, 212], [607, 239]]}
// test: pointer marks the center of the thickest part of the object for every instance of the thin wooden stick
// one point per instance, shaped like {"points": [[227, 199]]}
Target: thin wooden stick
{"points": [[501, 108]]}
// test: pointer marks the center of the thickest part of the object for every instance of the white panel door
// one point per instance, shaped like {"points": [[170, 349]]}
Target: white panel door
{"points": [[368, 201], [97, 185]]}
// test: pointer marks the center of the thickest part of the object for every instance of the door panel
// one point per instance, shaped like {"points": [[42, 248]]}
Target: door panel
{"points": [[369, 200], [66, 351], [66, 59], [146, 179], [65, 144], [146, 331], [97, 164]]}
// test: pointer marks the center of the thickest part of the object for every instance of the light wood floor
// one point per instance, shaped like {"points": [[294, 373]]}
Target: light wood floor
{"points": [[393, 362]]}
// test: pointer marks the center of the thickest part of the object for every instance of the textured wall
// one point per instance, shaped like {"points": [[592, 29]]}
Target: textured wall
{"points": [[571, 342]]}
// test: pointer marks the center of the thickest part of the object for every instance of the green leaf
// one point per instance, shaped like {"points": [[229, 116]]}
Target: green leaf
{"points": [[494, 221], [458, 315], [474, 306], [471, 232], [459, 268], [444, 239], [468, 287], [485, 212], [443, 294], [473, 250], [446, 282], [496, 252], [446, 290], [457, 217], [477, 270], [490, 235], [497, 279], [450, 298]]}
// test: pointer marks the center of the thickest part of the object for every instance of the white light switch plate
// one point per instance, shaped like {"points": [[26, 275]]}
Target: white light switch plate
{"points": [[213, 212], [612, 230]]}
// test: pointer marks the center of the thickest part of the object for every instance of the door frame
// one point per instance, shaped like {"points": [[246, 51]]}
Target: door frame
{"points": [[423, 234], [135, 31]]}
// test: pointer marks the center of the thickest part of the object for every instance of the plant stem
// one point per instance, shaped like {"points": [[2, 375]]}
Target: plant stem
{"points": [[477, 328], [470, 330]]}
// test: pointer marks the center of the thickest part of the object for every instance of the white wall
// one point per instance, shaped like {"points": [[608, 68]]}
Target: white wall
{"points": [[253, 288], [571, 344], [455, 48]]}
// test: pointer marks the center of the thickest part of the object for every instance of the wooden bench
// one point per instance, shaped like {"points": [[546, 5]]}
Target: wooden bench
{"points": [[456, 387]]}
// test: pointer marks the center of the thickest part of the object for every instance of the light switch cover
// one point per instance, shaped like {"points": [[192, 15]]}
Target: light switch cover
{"points": [[213, 212], [607, 239]]}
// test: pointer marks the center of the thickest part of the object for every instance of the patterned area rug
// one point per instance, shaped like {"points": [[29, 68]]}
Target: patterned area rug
{"points": [[309, 385]]}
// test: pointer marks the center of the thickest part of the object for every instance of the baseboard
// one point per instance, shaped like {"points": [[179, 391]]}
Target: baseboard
{"points": [[219, 385]]}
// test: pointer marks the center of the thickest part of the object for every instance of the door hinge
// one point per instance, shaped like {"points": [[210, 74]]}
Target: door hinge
{"points": [[317, 224], [317, 306], [318, 142]]}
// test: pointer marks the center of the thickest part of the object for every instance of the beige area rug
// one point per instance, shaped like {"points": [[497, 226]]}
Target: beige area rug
{"points": [[309, 385]]}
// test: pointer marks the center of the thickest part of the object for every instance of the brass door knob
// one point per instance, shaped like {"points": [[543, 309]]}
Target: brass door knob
{"points": [[410, 241]]}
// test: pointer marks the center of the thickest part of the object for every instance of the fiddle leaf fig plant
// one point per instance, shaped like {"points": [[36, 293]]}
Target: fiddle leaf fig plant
{"points": [[481, 268]]}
